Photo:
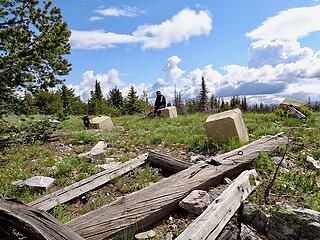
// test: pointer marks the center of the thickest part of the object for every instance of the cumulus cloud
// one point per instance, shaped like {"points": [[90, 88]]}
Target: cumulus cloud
{"points": [[107, 82], [126, 11], [293, 23], [273, 52], [172, 69], [185, 24]]}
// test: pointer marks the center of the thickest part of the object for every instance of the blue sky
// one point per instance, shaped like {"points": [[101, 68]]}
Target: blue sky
{"points": [[265, 49]]}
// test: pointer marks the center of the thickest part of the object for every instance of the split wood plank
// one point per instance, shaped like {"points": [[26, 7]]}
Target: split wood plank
{"points": [[145, 207], [211, 222], [296, 112], [32, 223], [75, 190], [249, 151], [166, 163]]}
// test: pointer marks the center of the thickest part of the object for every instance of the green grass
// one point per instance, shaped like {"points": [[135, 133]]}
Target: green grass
{"points": [[186, 132]]}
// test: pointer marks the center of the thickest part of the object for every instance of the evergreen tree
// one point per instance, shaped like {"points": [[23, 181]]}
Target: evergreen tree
{"points": [[115, 98], [98, 92], [132, 102], [203, 97], [244, 105], [34, 42]]}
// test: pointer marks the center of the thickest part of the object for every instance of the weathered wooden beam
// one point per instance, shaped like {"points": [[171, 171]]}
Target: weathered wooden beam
{"points": [[249, 152], [145, 207], [75, 190], [211, 222], [32, 223], [166, 163], [296, 112]]}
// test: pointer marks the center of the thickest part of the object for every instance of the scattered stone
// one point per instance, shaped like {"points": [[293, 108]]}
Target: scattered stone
{"points": [[248, 233], [101, 122], [286, 163], [283, 222], [54, 121], [225, 125], [98, 149], [227, 180], [169, 236], [40, 182], [197, 158], [18, 183], [168, 112], [146, 235], [196, 202], [314, 162]]}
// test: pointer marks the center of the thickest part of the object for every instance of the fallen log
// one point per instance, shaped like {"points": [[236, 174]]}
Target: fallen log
{"points": [[32, 223], [166, 163], [75, 190], [249, 151], [211, 222], [143, 208]]}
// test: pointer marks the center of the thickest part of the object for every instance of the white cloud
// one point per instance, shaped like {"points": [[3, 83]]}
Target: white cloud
{"points": [[185, 24], [107, 82], [172, 69], [95, 18], [274, 52], [293, 23], [126, 11], [98, 39]]}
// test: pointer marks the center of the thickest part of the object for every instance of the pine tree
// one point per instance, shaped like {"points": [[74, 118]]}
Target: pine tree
{"points": [[132, 103], [203, 97], [98, 91], [34, 43], [115, 98]]}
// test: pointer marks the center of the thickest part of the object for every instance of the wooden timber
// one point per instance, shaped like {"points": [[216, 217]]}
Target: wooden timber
{"points": [[211, 222], [75, 190], [166, 163], [32, 223], [147, 206]]}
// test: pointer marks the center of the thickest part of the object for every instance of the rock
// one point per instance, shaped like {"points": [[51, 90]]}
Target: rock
{"points": [[98, 149], [101, 122], [196, 202], [248, 233], [197, 158], [284, 222], [146, 235], [169, 236], [225, 125], [54, 121], [168, 112], [39, 182], [314, 162], [286, 163]]}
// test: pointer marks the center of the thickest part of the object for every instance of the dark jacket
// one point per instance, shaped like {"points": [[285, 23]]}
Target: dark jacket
{"points": [[160, 102]]}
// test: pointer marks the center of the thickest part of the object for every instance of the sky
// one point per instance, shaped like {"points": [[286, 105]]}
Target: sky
{"points": [[266, 49]]}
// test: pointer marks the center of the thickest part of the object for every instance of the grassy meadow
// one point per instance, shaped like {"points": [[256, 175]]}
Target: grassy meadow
{"points": [[297, 183]]}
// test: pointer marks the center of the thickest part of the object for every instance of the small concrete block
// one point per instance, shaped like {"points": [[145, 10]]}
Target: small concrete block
{"points": [[101, 122], [225, 125], [168, 112], [196, 202]]}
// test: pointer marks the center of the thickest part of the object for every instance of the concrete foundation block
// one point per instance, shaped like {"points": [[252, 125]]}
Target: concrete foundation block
{"points": [[101, 122], [169, 112], [225, 125]]}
